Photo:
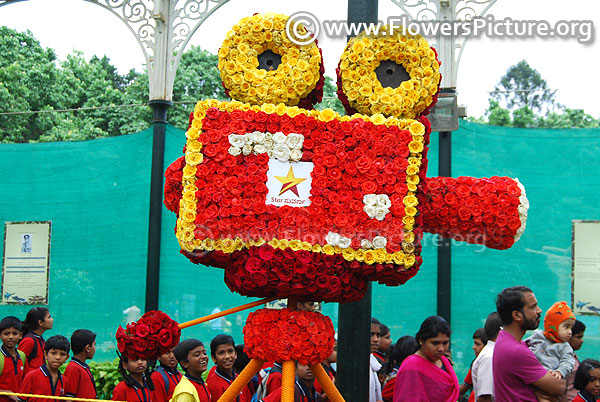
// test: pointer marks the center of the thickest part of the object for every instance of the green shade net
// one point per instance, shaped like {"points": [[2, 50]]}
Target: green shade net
{"points": [[96, 193]]}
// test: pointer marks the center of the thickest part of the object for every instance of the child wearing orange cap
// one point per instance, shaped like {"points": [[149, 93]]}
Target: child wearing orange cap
{"points": [[551, 346]]}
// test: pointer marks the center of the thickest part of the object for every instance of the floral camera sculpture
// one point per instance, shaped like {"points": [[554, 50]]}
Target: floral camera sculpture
{"points": [[303, 204]]}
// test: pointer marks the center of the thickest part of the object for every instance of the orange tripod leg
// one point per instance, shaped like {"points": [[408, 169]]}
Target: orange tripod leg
{"points": [[241, 381], [288, 378], [328, 386]]}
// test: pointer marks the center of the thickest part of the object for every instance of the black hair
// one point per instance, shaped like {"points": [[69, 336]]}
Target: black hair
{"points": [[129, 381], [431, 327], [10, 322], [80, 339], [384, 330], [33, 318], [183, 348], [219, 340], [480, 334], [404, 347], [582, 375], [578, 328], [509, 300], [58, 342], [242, 358], [375, 321], [492, 326]]}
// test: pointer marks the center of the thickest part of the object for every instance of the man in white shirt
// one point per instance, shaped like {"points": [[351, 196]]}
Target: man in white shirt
{"points": [[374, 384], [481, 371]]}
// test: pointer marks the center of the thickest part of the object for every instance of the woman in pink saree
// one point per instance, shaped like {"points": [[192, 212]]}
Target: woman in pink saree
{"points": [[427, 375]]}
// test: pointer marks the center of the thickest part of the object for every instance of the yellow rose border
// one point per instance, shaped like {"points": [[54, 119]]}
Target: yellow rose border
{"points": [[365, 93], [294, 79], [194, 156]]}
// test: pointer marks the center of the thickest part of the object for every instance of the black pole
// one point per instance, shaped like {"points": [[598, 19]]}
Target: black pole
{"points": [[354, 349], [159, 112], [444, 261], [354, 319]]}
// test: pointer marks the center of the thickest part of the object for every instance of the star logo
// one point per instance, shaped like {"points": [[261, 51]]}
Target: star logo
{"points": [[289, 182]]}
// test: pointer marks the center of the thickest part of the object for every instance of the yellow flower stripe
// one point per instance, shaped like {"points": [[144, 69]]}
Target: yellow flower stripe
{"points": [[365, 93], [188, 204]]}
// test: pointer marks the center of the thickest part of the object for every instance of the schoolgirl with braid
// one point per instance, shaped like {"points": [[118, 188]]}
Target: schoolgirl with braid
{"points": [[137, 383]]}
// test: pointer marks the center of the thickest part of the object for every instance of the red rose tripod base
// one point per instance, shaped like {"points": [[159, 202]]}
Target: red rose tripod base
{"points": [[287, 336]]}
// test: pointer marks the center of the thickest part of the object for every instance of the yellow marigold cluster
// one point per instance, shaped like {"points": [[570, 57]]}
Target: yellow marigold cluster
{"points": [[294, 78], [362, 56]]}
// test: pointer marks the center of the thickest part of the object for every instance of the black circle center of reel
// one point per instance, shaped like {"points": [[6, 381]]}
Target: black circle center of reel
{"points": [[391, 74], [269, 60]]}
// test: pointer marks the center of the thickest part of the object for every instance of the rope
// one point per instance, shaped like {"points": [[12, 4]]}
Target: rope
{"points": [[225, 312], [63, 398]]}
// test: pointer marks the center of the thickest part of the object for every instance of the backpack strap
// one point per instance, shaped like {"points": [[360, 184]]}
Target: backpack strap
{"points": [[34, 351], [165, 378], [21, 355]]}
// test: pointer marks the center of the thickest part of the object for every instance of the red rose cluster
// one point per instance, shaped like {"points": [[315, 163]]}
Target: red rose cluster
{"points": [[280, 335], [173, 176], [154, 334], [480, 211]]}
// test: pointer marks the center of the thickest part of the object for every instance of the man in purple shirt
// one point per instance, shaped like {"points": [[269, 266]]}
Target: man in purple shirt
{"points": [[517, 373]]}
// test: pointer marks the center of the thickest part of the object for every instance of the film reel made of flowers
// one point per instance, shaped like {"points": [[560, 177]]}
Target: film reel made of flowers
{"points": [[280, 335], [297, 80], [360, 89]]}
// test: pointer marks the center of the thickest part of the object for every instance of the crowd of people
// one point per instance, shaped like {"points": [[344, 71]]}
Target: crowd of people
{"points": [[543, 367]]}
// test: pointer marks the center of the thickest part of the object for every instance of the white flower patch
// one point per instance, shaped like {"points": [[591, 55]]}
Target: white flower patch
{"points": [[377, 242], [335, 239], [282, 147], [377, 206], [523, 208]]}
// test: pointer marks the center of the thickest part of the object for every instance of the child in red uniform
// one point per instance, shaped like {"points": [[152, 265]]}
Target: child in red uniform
{"points": [[11, 375], [136, 385], [222, 352], [81, 380], [166, 377], [587, 381], [191, 355], [37, 321], [47, 380]]}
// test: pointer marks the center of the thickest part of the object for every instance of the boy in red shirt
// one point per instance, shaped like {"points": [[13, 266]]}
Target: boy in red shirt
{"points": [[222, 352], [47, 380], [165, 377], [11, 375], [191, 355], [81, 380]]}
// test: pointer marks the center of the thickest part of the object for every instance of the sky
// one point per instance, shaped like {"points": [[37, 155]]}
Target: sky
{"points": [[569, 67]]}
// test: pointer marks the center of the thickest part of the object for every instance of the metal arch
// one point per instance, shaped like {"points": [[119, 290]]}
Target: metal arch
{"points": [[7, 2], [440, 10], [162, 28]]}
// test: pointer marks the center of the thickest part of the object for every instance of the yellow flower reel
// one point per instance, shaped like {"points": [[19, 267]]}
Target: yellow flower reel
{"points": [[259, 64], [392, 73]]}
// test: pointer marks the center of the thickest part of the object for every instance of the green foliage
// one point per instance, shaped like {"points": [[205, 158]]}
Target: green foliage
{"points": [[524, 86], [529, 103], [330, 99], [107, 376]]}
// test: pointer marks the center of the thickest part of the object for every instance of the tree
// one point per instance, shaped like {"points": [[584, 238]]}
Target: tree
{"points": [[569, 118], [524, 86], [27, 73], [197, 78], [497, 115], [330, 99]]}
